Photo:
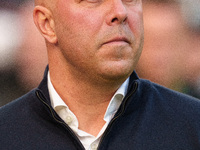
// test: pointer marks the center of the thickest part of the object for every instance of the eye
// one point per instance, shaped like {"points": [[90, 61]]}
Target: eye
{"points": [[93, 1], [131, 1]]}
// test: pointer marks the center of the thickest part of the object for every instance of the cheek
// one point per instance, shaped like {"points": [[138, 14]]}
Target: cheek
{"points": [[80, 26], [136, 20], [136, 26], [80, 19]]}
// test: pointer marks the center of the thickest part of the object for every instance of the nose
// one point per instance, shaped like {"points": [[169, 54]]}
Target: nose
{"points": [[118, 13]]}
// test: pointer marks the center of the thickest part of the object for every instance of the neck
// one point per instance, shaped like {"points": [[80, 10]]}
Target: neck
{"points": [[86, 93], [87, 100], [75, 86]]}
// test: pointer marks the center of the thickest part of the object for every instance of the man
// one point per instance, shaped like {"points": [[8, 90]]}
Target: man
{"points": [[90, 98]]}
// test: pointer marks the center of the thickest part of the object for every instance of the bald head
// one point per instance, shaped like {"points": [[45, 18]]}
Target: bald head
{"points": [[44, 3], [38, 2]]}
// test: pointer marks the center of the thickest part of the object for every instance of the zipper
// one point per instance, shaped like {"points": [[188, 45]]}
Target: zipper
{"points": [[120, 113], [61, 122]]}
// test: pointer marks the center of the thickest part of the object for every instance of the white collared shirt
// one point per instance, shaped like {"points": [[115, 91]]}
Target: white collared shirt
{"points": [[89, 141]]}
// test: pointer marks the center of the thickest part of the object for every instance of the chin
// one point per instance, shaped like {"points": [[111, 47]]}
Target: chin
{"points": [[117, 74], [117, 70]]}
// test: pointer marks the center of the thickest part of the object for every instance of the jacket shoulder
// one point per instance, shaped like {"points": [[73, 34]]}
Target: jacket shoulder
{"points": [[19, 108], [165, 94], [170, 101]]}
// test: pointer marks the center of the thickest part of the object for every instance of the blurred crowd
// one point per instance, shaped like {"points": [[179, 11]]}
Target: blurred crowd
{"points": [[23, 55], [171, 55]]}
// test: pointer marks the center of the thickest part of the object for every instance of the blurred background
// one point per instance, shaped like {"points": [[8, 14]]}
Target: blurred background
{"points": [[171, 55], [23, 55]]}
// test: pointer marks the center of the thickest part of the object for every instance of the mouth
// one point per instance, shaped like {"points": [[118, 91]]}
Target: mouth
{"points": [[117, 40]]}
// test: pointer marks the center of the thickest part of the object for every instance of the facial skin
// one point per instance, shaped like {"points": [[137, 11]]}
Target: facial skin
{"points": [[98, 39]]}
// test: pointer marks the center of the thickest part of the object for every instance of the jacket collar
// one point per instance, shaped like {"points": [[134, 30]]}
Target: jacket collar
{"points": [[43, 87], [132, 80]]}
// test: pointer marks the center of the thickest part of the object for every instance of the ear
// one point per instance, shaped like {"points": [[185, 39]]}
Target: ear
{"points": [[44, 21]]}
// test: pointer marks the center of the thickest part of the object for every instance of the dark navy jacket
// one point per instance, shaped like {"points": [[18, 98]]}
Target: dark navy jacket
{"points": [[151, 117]]}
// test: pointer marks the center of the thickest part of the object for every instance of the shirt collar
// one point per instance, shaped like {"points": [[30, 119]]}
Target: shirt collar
{"points": [[116, 101], [113, 106], [55, 99]]}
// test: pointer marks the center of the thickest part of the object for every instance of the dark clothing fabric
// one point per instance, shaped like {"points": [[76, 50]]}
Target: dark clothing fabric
{"points": [[150, 117]]}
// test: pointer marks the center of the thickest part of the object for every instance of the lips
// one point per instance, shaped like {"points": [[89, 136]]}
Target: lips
{"points": [[117, 40]]}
